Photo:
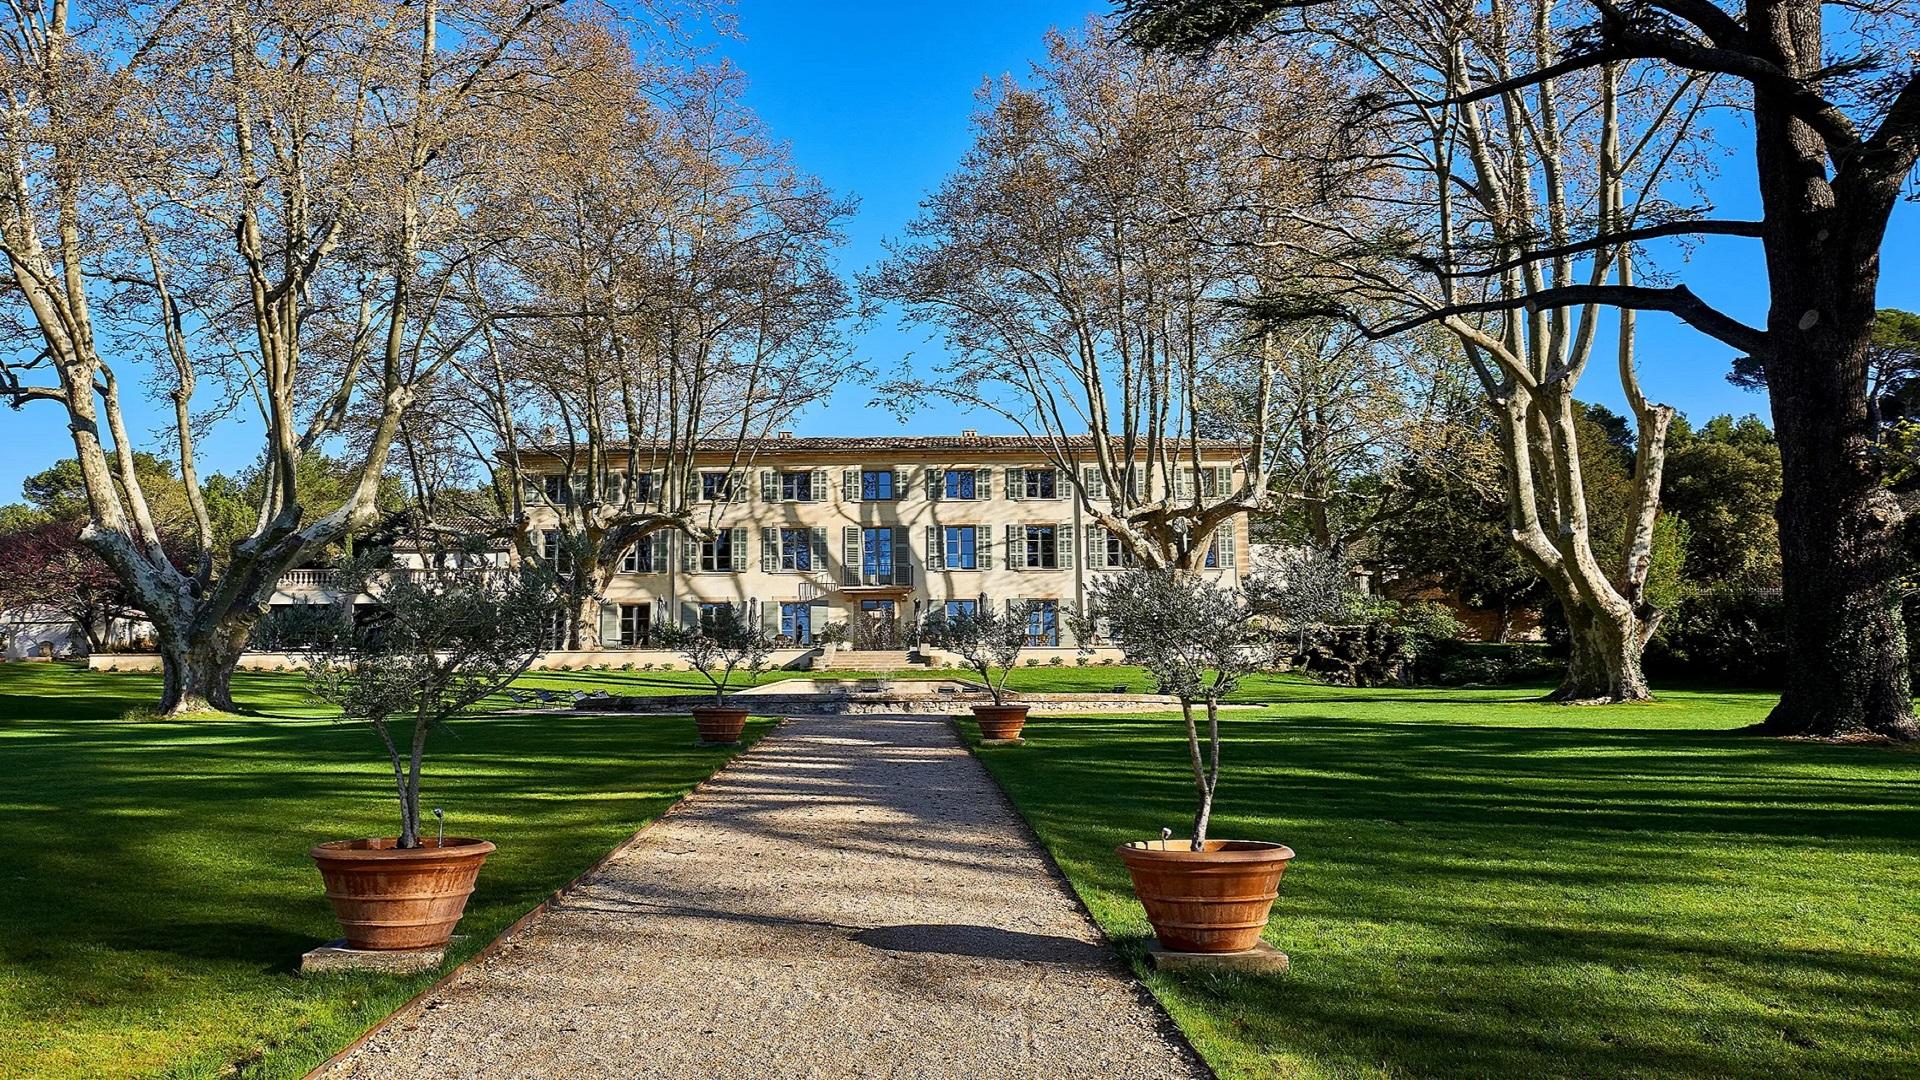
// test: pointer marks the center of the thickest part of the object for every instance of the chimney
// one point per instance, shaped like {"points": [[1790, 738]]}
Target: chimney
{"points": [[783, 434], [969, 433]]}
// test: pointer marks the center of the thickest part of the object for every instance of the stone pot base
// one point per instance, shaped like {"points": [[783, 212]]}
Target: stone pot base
{"points": [[1262, 959], [337, 955]]}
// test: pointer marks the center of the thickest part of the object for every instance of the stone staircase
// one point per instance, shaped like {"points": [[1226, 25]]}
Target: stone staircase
{"points": [[869, 660]]}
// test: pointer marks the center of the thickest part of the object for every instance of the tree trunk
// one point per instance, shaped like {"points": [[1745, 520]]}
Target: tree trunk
{"points": [[198, 671], [1603, 665], [1840, 571]]}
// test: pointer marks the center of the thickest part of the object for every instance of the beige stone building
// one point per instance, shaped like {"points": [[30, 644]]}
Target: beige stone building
{"points": [[867, 535]]}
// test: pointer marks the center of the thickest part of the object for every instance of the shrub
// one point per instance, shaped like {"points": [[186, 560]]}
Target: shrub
{"points": [[1722, 632], [1058, 661]]}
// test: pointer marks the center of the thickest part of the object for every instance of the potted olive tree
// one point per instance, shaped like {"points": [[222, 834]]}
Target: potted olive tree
{"points": [[431, 646], [986, 641], [1198, 641], [717, 646]]}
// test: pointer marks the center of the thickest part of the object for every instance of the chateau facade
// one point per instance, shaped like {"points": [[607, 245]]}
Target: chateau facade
{"points": [[857, 539]]}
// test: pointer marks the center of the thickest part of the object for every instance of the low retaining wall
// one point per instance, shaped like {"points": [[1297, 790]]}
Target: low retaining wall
{"points": [[873, 704], [569, 660]]}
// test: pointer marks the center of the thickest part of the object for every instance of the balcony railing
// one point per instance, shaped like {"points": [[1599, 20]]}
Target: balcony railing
{"points": [[330, 579]]}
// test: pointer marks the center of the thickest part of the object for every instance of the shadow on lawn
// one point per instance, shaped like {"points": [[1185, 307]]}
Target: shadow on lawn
{"points": [[1476, 899]]}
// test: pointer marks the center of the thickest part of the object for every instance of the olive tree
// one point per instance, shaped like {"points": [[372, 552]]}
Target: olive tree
{"points": [[720, 644], [432, 645], [985, 639], [1198, 641]]}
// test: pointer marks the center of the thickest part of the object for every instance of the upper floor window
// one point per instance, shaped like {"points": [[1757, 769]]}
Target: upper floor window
{"points": [[1043, 547], [876, 484], [718, 552], [639, 558], [555, 552], [1118, 554], [961, 484], [796, 549], [640, 487], [961, 544], [1033, 483], [716, 486], [796, 487]]}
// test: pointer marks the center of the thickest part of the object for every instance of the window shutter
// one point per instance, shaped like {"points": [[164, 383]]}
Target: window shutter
{"points": [[936, 547], [1222, 481], [936, 484], [609, 626], [769, 550], [850, 485], [820, 547], [902, 558], [1096, 547], [770, 618], [899, 483], [983, 547], [1096, 484], [1226, 539], [1062, 482], [660, 551], [1063, 543], [739, 547], [1016, 484], [850, 551], [819, 485], [737, 487], [769, 486], [983, 483], [1016, 547], [1182, 483], [689, 553], [689, 614]]}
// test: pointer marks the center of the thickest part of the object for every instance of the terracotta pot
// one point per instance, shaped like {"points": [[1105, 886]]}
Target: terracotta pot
{"points": [[719, 724], [388, 897], [1000, 721], [1212, 901]]}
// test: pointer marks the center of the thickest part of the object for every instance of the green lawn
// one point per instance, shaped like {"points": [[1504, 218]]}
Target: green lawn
{"points": [[155, 892], [1490, 887]]}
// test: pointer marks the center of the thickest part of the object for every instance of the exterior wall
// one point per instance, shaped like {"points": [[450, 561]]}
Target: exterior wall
{"points": [[38, 633], [670, 592]]}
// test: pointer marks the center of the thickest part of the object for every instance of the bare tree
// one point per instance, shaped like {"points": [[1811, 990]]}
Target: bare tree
{"points": [[275, 198], [1470, 183], [1833, 92]]}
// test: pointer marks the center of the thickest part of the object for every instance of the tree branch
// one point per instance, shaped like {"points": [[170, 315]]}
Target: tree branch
{"points": [[1679, 301]]}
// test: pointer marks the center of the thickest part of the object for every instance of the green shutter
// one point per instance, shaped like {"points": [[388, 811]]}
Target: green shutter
{"points": [[770, 617], [609, 626], [850, 485], [983, 547], [900, 483], [902, 557], [689, 553], [936, 549], [1063, 543], [1096, 484], [983, 483], [1016, 484], [689, 614], [769, 550], [850, 551], [739, 547], [1016, 547], [1096, 547], [1227, 541], [820, 551], [936, 483], [660, 540]]}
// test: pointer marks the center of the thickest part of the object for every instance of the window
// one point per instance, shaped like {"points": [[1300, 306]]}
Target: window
{"points": [[962, 609], [635, 622], [961, 484], [1043, 622], [1043, 547], [641, 486], [717, 553], [876, 555], [712, 613], [796, 487], [961, 546], [1118, 554], [796, 549], [645, 557], [716, 486], [1040, 484], [557, 490], [557, 626], [555, 552], [796, 623], [876, 484]]}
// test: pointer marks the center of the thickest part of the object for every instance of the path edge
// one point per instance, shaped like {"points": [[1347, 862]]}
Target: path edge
{"points": [[526, 919], [1170, 1026]]}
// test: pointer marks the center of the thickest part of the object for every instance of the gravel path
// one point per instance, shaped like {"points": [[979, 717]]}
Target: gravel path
{"points": [[852, 898]]}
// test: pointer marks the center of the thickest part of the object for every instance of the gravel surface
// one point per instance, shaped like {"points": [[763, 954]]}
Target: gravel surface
{"points": [[853, 897]]}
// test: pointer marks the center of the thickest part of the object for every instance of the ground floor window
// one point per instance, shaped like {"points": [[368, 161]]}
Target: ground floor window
{"points": [[636, 624], [962, 609], [796, 623], [1043, 622], [878, 626]]}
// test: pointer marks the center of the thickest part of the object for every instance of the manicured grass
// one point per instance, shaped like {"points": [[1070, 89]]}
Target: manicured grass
{"points": [[155, 893], [1044, 678], [1491, 887]]}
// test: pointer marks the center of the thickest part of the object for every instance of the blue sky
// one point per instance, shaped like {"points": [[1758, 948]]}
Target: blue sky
{"points": [[875, 98]]}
